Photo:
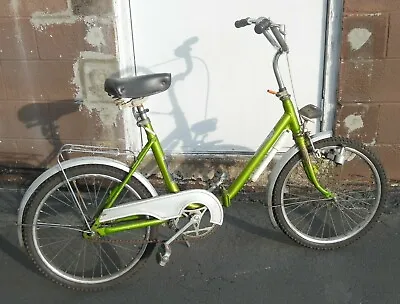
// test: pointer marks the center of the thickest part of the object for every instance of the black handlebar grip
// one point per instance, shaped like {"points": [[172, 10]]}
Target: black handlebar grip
{"points": [[280, 39], [242, 23], [262, 26]]}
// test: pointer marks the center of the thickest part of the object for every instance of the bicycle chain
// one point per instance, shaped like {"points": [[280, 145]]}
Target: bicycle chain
{"points": [[154, 241]]}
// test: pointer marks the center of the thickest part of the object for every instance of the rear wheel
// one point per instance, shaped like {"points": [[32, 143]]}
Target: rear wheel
{"points": [[54, 229], [349, 170]]}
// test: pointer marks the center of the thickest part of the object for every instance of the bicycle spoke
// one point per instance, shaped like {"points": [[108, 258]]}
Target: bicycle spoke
{"points": [[123, 196], [94, 189], [312, 220], [356, 199], [65, 245], [333, 224], [55, 211], [66, 197], [72, 262], [307, 201], [79, 257], [302, 218], [343, 215], [84, 259], [52, 225], [303, 203], [323, 227], [88, 190], [61, 201], [109, 258], [46, 213], [105, 194], [52, 243], [98, 255], [352, 211], [79, 197], [354, 207], [346, 215]]}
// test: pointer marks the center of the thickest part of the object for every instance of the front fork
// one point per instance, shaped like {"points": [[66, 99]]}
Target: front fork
{"points": [[308, 167]]}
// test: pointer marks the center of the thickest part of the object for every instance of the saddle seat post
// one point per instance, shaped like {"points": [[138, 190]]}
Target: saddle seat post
{"points": [[140, 114]]}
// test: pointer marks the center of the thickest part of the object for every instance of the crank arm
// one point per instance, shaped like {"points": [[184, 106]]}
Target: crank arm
{"points": [[193, 220], [165, 249]]}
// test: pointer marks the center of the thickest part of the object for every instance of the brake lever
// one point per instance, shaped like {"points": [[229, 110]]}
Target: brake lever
{"points": [[282, 29], [271, 40]]}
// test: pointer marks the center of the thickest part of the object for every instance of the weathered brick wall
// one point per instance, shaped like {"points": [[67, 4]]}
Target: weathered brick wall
{"points": [[369, 99], [53, 53]]}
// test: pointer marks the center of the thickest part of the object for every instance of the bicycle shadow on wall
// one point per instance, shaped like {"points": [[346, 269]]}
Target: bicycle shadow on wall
{"points": [[40, 119], [193, 136], [21, 168]]}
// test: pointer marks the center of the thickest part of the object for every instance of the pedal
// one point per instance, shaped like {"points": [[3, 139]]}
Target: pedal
{"points": [[163, 255]]}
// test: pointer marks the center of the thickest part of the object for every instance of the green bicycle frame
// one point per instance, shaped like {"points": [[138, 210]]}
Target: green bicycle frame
{"points": [[288, 121]]}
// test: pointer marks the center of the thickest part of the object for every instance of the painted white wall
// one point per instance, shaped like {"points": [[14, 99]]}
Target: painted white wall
{"points": [[218, 100]]}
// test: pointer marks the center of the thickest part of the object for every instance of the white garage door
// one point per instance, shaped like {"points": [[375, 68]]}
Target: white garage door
{"points": [[218, 100]]}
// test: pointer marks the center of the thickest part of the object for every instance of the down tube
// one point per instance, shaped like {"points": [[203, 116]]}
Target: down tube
{"points": [[262, 151]]}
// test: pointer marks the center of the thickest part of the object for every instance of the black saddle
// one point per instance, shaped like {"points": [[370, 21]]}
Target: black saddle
{"points": [[138, 86]]}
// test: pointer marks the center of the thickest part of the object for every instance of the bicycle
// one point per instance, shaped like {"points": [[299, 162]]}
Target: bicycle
{"points": [[88, 222]]}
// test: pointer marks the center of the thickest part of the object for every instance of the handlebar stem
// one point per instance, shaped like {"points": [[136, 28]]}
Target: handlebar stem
{"points": [[277, 73]]}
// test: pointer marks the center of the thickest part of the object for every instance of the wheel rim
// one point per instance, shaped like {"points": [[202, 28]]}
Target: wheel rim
{"points": [[75, 254], [326, 217]]}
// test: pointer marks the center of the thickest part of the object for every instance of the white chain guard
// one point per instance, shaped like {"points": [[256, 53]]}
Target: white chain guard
{"points": [[166, 207]]}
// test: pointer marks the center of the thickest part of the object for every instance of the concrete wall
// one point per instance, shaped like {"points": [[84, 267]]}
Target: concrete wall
{"points": [[54, 53], [369, 99]]}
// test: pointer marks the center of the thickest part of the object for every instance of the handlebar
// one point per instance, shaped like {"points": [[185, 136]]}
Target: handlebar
{"points": [[262, 26], [242, 23]]}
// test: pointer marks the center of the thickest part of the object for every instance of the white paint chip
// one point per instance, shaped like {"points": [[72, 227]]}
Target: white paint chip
{"points": [[90, 71], [358, 37], [95, 37], [353, 122]]}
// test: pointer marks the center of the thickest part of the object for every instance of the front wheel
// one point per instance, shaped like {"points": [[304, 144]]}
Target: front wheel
{"points": [[347, 169], [55, 230]]}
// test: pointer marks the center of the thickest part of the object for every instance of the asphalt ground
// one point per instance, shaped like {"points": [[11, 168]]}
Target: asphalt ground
{"points": [[244, 261]]}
